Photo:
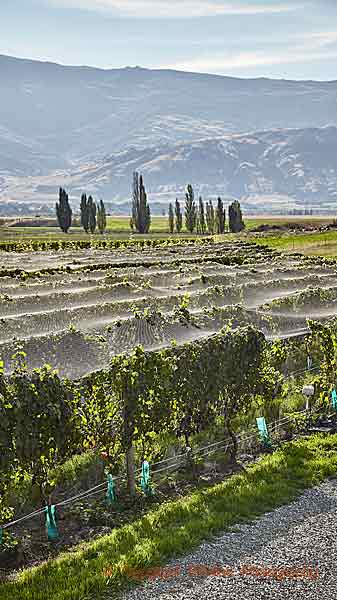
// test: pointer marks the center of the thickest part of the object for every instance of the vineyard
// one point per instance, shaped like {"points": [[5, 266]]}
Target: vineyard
{"points": [[74, 310], [141, 351]]}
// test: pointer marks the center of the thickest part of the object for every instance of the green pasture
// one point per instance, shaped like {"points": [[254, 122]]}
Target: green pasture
{"points": [[117, 225], [314, 244], [117, 228]]}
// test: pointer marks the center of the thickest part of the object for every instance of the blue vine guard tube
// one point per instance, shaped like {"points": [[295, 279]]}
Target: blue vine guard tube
{"points": [[111, 493], [145, 478], [51, 525], [262, 427], [334, 399]]}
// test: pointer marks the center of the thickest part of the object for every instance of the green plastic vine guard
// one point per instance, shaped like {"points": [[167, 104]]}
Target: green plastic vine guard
{"points": [[145, 478], [111, 491], [51, 525], [263, 430], [334, 399]]}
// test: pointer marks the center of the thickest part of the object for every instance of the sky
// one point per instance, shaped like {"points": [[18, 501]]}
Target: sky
{"points": [[292, 39]]}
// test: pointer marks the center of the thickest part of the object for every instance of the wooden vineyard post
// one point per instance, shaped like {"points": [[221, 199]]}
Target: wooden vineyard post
{"points": [[130, 467]]}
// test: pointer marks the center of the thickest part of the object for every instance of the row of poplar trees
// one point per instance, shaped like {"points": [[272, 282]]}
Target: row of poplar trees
{"points": [[92, 215], [198, 218], [201, 218]]}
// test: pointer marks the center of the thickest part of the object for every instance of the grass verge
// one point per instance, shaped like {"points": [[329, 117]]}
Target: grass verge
{"points": [[316, 244], [177, 527]]}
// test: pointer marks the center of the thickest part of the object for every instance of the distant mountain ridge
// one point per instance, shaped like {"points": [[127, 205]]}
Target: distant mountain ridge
{"points": [[90, 127], [301, 163], [298, 164]]}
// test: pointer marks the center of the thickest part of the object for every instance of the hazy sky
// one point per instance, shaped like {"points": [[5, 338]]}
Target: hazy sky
{"points": [[247, 38]]}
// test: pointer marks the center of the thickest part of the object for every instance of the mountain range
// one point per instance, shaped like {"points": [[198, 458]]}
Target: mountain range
{"points": [[87, 129]]}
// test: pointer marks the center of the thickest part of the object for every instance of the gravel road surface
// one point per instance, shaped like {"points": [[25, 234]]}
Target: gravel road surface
{"points": [[288, 553]]}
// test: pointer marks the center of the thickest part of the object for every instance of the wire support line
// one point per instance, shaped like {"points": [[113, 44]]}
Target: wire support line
{"points": [[84, 497], [79, 496], [98, 488], [30, 516]]}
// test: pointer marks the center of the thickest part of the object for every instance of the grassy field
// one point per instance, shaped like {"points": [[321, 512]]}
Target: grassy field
{"points": [[119, 227], [116, 227], [314, 244], [315, 221], [160, 224], [176, 527]]}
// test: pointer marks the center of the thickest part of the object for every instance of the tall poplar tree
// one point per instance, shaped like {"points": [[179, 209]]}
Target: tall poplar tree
{"points": [[201, 217], [220, 217], [210, 218], [236, 223], [179, 216], [141, 214], [63, 211], [101, 217], [190, 210], [84, 213], [171, 218], [92, 210]]}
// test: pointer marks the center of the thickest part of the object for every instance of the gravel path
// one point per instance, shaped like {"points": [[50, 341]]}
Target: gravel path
{"points": [[295, 548]]}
